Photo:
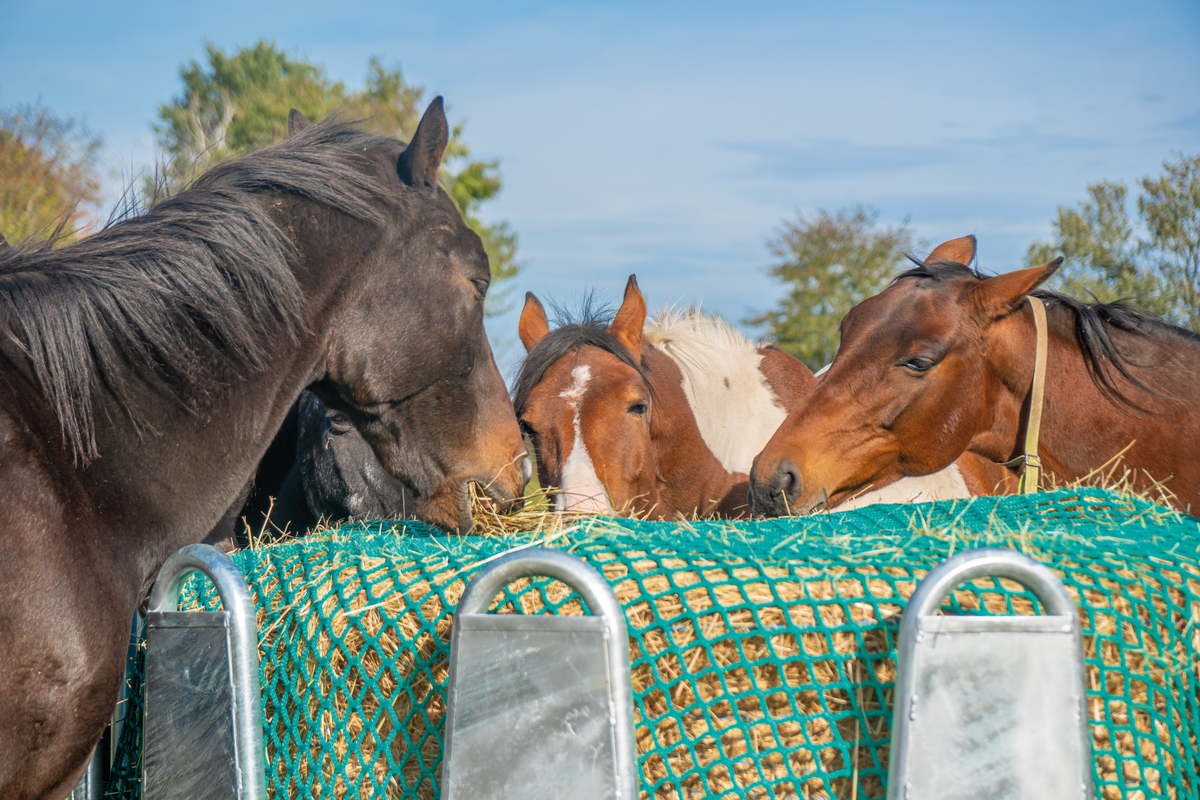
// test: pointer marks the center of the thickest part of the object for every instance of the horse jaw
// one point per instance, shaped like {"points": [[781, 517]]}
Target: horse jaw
{"points": [[946, 484]]}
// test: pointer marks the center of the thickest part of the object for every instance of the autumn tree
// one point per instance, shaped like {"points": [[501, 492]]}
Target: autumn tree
{"points": [[234, 104], [49, 174], [830, 263], [1153, 261]]}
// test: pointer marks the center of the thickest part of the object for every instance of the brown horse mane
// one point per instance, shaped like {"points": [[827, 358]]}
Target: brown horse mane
{"points": [[573, 330], [1091, 326], [183, 292]]}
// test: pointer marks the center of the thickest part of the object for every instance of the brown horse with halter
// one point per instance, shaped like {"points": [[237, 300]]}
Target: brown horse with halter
{"points": [[145, 369], [664, 419], [942, 362]]}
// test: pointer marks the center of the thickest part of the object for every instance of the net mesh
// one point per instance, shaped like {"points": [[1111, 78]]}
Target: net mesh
{"points": [[763, 652]]}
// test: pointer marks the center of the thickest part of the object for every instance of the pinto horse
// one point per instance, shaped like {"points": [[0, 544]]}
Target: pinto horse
{"points": [[941, 362], [145, 369], [664, 419]]}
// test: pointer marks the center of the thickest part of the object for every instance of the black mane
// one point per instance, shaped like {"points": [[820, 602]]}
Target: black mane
{"points": [[1091, 325], [183, 293], [588, 326]]}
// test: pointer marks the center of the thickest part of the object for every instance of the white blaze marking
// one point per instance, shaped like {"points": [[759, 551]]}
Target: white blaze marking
{"points": [[581, 491], [947, 484]]}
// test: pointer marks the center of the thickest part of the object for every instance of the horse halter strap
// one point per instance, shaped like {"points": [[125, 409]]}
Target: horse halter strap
{"points": [[1031, 475]]}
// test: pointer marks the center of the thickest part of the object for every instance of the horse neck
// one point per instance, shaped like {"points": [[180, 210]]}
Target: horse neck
{"points": [[690, 479], [168, 484], [735, 408], [1083, 426]]}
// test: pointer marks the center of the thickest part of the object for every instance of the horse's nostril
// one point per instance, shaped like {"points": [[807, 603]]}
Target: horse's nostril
{"points": [[790, 484], [526, 468]]}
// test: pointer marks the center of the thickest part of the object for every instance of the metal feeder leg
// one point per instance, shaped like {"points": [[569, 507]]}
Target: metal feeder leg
{"points": [[202, 734], [91, 785], [539, 706], [990, 708]]}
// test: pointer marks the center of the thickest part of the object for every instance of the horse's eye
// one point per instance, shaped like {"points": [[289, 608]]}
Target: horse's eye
{"points": [[527, 429], [481, 285], [340, 421], [638, 408], [919, 364]]}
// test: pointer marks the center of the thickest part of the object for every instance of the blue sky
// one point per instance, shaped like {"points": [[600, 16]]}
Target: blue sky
{"points": [[670, 139]]}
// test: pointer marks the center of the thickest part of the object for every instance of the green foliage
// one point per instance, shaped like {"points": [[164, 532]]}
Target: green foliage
{"points": [[49, 174], [1170, 210], [1105, 259], [831, 262], [238, 103]]}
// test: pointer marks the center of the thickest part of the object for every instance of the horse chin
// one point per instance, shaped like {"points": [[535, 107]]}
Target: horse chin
{"points": [[449, 506], [501, 499], [819, 501]]}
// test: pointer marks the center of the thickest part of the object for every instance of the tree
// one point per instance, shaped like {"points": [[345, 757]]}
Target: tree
{"points": [[831, 262], [239, 103], [1106, 260], [49, 174], [1170, 209]]}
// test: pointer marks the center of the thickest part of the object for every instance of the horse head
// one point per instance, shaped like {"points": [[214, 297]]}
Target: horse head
{"points": [[337, 473], [408, 360], [910, 388], [585, 400]]}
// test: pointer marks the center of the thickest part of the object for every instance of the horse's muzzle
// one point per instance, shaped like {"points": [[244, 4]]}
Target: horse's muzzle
{"points": [[776, 494]]}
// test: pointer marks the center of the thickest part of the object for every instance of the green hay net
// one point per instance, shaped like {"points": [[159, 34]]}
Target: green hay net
{"points": [[763, 652]]}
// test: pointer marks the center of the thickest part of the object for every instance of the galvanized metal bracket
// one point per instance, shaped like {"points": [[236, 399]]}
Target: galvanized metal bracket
{"points": [[990, 707], [202, 734], [91, 785], [539, 706]]}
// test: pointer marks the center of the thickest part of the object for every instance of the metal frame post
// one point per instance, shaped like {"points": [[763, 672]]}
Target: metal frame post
{"points": [[1060, 618], [601, 602], [242, 637]]}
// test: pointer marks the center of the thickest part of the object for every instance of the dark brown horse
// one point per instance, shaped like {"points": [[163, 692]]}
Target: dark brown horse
{"points": [[335, 476], [665, 418], [145, 369], [318, 469], [941, 362]]}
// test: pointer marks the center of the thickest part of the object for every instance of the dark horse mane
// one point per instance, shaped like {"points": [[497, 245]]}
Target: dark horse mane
{"points": [[1091, 330], [183, 292], [587, 326]]}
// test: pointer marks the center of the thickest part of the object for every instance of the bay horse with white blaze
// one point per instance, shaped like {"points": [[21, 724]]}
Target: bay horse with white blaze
{"points": [[145, 369], [941, 362], [663, 419]]}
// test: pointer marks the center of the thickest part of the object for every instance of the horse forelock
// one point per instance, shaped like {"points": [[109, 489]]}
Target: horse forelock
{"points": [[938, 271], [560, 342], [184, 291]]}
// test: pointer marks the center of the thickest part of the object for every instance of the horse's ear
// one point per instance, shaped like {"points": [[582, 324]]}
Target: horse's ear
{"points": [[418, 164], [960, 251], [997, 296], [297, 122], [631, 318], [533, 325]]}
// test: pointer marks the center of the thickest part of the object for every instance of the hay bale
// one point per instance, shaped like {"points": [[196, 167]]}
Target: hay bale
{"points": [[763, 652]]}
